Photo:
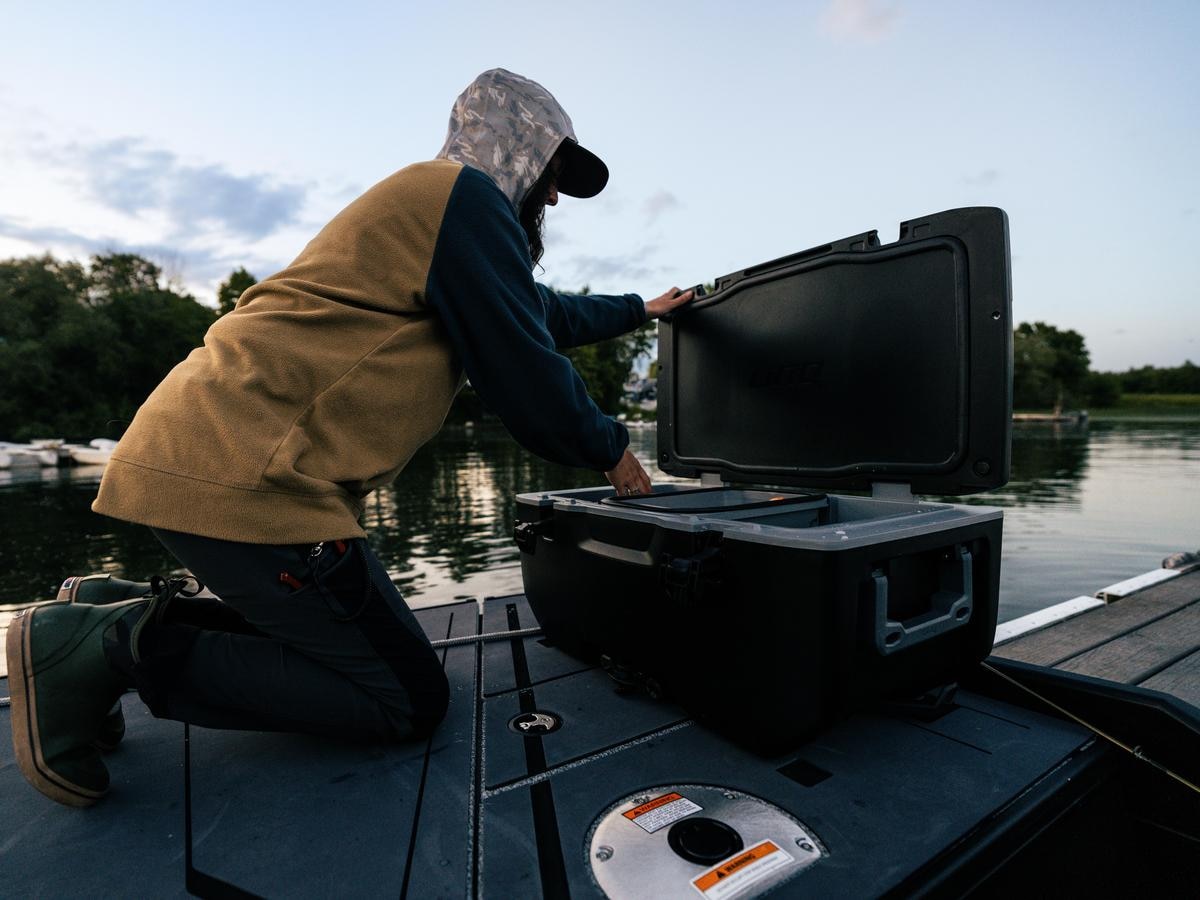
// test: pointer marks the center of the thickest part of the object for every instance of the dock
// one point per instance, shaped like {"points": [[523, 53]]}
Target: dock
{"points": [[1143, 632], [1057, 418]]}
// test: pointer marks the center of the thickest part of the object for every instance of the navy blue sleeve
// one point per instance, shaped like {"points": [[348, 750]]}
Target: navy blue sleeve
{"points": [[577, 319], [481, 286]]}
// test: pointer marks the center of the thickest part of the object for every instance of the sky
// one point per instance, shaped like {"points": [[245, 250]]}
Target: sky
{"points": [[214, 135]]}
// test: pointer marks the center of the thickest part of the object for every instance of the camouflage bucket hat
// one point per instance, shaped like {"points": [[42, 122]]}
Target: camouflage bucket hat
{"points": [[510, 128]]}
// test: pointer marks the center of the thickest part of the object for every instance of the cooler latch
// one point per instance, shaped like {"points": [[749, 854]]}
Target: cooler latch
{"points": [[686, 579], [527, 533]]}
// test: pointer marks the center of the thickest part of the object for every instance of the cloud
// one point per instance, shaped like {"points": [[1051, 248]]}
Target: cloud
{"points": [[589, 269], [982, 179], [198, 221], [127, 175], [658, 203], [196, 263], [859, 20]]}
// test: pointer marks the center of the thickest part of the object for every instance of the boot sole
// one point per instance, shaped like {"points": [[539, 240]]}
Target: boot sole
{"points": [[26, 744]]}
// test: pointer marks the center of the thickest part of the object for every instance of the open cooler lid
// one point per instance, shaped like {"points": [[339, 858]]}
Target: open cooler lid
{"points": [[850, 364]]}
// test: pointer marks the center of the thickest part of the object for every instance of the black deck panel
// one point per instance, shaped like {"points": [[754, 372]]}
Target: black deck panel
{"points": [[48, 850], [898, 794], [272, 814], [277, 814], [508, 857], [543, 661], [440, 856]]}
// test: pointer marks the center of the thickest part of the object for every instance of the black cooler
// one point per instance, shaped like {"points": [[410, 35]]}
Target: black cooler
{"points": [[763, 602]]}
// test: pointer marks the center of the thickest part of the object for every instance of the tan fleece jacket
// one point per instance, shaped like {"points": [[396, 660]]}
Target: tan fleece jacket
{"points": [[241, 442]]}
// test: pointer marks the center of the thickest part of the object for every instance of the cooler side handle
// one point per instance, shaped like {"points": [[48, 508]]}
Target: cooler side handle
{"points": [[646, 558], [576, 527], [950, 609]]}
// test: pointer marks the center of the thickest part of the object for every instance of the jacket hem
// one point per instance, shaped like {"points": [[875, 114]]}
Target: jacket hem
{"points": [[135, 493]]}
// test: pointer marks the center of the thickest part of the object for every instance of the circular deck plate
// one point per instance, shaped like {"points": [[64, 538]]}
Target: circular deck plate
{"points": [[630, 856], [538, 722]]}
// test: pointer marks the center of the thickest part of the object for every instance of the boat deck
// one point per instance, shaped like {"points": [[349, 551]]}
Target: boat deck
{"points": [[890, 801], [1149, 638]]}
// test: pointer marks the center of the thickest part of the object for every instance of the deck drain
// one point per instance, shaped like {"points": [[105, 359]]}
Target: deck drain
{"points": [[537, 722]]}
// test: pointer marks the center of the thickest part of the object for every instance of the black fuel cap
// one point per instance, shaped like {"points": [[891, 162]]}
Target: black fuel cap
{"points": [[703, 841]]}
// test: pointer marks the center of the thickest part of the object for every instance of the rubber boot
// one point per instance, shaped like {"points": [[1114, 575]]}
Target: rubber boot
{"points": [[98, 590], [104, 589], [63, 687]]}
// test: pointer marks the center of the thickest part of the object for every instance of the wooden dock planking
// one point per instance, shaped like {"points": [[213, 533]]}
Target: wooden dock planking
{"points": [[1150, 639], [1181, 679], [1059, 643], [1141, 654]]}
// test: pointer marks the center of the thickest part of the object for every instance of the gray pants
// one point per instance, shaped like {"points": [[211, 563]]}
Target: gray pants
{"points": [[307, 639]]}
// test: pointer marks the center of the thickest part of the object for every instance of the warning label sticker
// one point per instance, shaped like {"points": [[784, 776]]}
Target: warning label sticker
{"points": [[741, 871], [661, 812]]}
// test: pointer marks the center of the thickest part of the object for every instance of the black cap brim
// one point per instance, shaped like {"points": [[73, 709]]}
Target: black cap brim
{"points": [[584, 174]]}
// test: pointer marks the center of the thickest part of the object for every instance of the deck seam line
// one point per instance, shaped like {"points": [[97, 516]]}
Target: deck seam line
{"points": [[984, 712], [475, 846], [488, 793], [533, 684], [1164, 666], [416, 820], [947, 737]]}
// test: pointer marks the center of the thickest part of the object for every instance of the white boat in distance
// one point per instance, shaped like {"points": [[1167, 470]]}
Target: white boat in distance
{"points": [[97, 453], [17, 455]]}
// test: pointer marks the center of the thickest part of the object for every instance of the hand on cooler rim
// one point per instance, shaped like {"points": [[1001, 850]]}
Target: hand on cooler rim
{"points": [[668, 302], [628, 477]]}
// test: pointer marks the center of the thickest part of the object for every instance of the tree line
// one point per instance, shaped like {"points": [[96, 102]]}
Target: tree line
{"points": [[1052, 369], [82, 346]]}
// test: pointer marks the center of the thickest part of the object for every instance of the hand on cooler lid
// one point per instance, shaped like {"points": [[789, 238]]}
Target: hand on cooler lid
{"points": [[628, 476], [668, 302]]}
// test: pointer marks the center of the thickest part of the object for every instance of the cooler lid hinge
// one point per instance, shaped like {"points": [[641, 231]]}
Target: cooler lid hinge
{"points": [[711, 479], [892, 490]]}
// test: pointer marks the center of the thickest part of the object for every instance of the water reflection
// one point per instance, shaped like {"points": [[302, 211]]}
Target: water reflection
{"points": [[449, 517], [1049, 464], [1085, 507], [444, 529], [1091, 506]]}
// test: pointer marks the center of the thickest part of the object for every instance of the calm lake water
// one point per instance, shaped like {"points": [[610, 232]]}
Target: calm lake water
{"points": [[1085, 508]]}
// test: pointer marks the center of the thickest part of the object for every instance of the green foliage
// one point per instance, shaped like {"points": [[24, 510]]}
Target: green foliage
{"points": [[1183, 379], [121, 274], [1050, 367], [232, 288], [1152, 407], [80, 349], [1103, 390]]}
